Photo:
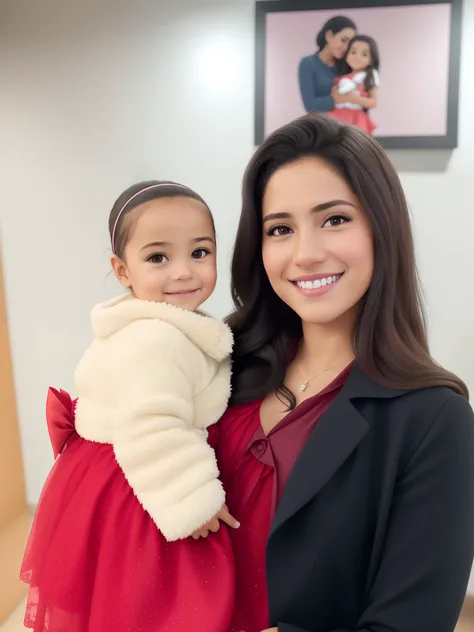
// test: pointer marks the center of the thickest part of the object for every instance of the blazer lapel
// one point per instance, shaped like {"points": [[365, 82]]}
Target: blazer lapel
{"points": [[333, 440]]}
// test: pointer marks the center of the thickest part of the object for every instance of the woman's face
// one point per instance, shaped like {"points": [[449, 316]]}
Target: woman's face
{"points": [[317, 244], [338, 42]]}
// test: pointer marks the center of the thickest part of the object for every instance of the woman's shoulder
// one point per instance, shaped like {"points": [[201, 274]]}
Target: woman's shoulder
{"points": [[431, 401], [440, 405], [441, 429], [419, 407], [311, 61], [306, 59], [400, 397], [422, 419]]}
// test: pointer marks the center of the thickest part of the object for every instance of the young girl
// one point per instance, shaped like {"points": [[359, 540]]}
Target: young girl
{"points": [[135, 472], [355, 92]]}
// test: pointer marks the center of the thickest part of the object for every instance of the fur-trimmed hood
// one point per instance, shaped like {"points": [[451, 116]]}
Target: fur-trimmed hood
{"points": [[212, 336]]}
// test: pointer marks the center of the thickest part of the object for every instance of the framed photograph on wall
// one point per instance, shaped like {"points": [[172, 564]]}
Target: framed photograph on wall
{"points": [[390, 67]]}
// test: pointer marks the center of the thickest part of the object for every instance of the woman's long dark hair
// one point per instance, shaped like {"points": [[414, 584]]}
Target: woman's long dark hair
{"points": [[370, 81], [390, 339], [334, 25]]}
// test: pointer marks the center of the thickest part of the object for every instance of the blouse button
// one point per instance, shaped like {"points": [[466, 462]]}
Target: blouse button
{"points": [[261, 446]]}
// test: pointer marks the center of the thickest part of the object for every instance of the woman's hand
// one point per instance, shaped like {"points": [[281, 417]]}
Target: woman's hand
{"points": [[271, 630], [356, 99], [213, 525]]}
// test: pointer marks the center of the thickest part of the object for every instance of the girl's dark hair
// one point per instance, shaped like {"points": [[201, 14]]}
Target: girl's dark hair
{"points": [[166, 189], [390, 340], [335, 25], [369, 82]]}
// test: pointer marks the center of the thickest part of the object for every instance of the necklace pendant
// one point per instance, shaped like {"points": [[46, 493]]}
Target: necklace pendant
{"points": [[303, 387]]}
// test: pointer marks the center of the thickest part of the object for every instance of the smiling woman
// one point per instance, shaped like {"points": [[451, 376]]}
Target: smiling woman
{"points": [[325, 225], [313, 207], [348, 454]]}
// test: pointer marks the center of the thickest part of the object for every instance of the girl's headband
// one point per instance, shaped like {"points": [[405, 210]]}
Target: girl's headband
{"points": [[152, 186]]}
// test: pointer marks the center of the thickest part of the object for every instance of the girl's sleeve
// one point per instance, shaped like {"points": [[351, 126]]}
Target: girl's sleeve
{"points": [[168, 463], [346, 85], [359, 77]]}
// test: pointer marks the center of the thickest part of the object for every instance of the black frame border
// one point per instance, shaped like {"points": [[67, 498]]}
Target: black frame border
{"points": [[448, 141]]}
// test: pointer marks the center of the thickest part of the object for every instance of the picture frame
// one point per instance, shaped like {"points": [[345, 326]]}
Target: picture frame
{"points": [[445, 129]]}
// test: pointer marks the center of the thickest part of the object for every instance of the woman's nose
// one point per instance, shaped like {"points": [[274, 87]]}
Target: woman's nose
{"points": [[309, 249]]}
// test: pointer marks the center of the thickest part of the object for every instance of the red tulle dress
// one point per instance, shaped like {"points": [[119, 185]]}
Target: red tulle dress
{"points": [[96, 562], [350, 113]]}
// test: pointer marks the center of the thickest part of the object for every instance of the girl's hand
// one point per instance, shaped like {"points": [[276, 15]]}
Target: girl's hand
{"points": [[271, 630], [213, 525]]}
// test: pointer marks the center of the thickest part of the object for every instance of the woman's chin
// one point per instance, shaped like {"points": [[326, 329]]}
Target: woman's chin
{"points": [[322, 316]]}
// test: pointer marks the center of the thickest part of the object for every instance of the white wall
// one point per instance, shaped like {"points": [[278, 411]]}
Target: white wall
{"points": [[98, 94]]}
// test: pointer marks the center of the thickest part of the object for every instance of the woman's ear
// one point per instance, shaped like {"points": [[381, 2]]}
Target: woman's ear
{"points": [[120, 270]]}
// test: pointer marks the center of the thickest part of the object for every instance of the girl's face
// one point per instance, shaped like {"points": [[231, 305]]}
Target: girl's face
{"points": [[317, 244], [359, 56], [338, 42], [170, 255]]}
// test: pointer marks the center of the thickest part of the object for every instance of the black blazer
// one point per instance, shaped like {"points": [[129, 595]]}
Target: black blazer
{"points": [[375, 529]]}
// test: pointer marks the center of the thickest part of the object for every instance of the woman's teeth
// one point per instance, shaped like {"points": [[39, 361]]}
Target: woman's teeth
{"points": [[317, 283]]}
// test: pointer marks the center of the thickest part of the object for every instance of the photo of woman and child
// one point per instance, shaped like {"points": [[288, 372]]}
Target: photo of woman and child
{"points": [[342, 78], [363, 64]]}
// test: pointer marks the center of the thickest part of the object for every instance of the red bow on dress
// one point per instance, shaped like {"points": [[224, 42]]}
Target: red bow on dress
{"points": [[60, 418]]}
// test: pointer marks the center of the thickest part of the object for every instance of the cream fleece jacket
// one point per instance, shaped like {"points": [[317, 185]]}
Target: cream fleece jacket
{"points": [[154, 378]]}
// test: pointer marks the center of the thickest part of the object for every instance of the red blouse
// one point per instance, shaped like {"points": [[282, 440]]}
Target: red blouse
{"points": [[254, 470]]}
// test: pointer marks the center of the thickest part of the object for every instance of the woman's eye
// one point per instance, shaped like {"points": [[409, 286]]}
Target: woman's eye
{"points": [[200, 253], [158, 258], [337, 220], [278, 231]]}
